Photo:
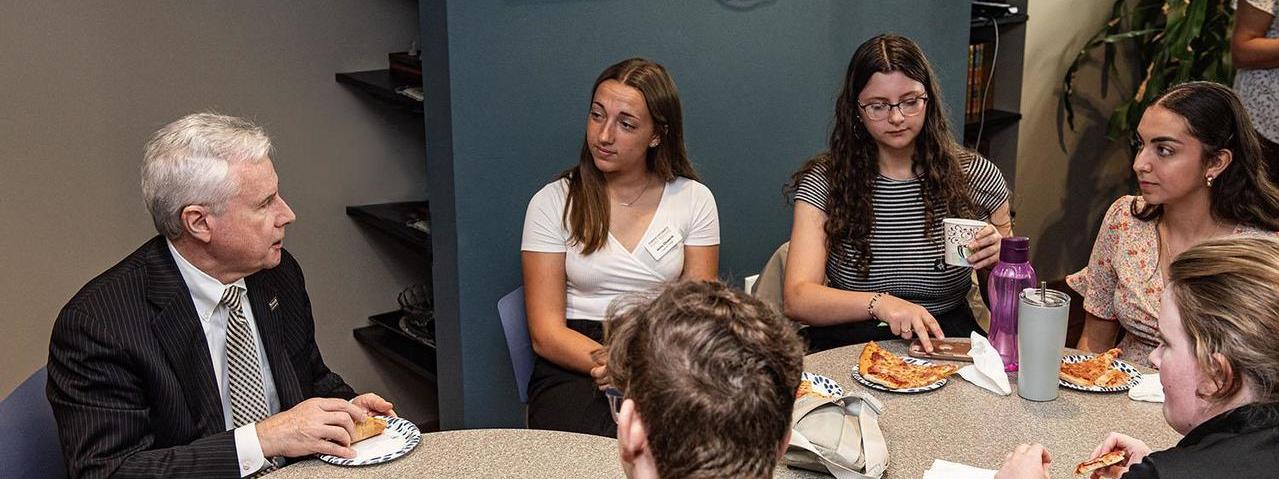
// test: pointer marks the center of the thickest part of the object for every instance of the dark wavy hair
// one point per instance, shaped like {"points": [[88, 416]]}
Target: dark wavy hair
{"points": [[851, 164], [1243, 192], [586, 211]]}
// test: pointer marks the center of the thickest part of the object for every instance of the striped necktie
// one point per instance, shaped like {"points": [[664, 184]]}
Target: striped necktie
{"points": [[244, 369]]}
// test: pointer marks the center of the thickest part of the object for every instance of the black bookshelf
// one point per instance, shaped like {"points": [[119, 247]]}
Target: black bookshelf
{"points": [[385, 338], [394, 219], [382, 85], [995, 120], [981, 30]]}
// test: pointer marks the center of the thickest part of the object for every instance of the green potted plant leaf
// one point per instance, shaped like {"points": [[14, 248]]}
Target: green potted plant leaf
{"points": [[1168, 41]]}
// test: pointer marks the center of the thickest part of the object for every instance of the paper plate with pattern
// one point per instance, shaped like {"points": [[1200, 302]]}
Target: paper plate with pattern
{"points": [[874, 385], [400, 437], [1134, 376], [823, 385]]}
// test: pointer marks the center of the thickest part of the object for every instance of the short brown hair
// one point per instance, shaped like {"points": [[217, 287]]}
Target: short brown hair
{"points": [[1225, 293], [713, 373]]}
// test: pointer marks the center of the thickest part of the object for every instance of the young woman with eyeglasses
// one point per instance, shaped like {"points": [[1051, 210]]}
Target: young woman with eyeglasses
{"points": [[866, 242]]}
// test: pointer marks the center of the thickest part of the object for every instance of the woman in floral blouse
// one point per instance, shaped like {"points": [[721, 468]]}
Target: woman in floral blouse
{"points": [[1201, 175]]}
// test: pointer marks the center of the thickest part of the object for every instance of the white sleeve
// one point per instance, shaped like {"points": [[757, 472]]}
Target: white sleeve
{"points": [[704, 224], [544, 230], [248, 450]]}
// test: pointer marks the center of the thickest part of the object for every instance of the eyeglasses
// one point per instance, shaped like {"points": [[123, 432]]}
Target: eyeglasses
{"points": [[615, 400], [909, 107]]}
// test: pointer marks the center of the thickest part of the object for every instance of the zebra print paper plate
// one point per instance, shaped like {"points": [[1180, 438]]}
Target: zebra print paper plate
{"points": [[1134, 376], [400, 437]]}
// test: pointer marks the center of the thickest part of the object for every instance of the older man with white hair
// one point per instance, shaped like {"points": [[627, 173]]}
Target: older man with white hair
{"points": [[195, 356]]}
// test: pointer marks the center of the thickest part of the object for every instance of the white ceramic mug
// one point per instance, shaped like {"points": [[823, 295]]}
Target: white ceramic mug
{"points": [[959, 233]]}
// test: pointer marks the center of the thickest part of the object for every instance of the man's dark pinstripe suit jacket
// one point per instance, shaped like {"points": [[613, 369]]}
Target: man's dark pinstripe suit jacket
{"points": [[130, 379]]}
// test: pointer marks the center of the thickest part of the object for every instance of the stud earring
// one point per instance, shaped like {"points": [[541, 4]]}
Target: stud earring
{"points": [[1209, 178]]}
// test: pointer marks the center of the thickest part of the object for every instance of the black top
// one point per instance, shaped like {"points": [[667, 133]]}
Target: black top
{"points": [[1242, 443]]}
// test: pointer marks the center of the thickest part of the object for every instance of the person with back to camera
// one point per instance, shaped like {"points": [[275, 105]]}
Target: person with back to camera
{"points": [[707, 377], [1219, 365], [868, 211], [628, 217], [1201, 175]]}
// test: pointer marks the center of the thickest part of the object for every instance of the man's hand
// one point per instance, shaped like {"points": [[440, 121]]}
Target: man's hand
{"points": [[314, 426], [374, 405]]}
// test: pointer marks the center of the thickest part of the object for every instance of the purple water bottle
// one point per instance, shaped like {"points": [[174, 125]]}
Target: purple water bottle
{"points": [[1010, 276]]}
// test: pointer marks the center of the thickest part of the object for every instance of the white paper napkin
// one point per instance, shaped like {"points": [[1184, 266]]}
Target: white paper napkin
{"points": [[954, 470], [1148, 389], [987, 370]]}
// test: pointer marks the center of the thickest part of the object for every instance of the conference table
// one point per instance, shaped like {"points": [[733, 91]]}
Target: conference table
{"points": [[958, 422], [487, 453], [964, 423]]}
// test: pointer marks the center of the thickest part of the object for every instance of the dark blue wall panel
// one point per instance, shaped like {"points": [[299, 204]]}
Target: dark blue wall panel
{"points": [[757, 80]]}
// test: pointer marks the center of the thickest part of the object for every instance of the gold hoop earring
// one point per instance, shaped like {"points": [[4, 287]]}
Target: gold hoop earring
{"points": [[1209, 178]]}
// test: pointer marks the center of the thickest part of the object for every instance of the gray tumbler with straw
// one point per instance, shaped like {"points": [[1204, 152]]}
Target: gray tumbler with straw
{"points": [[1042, 315]]}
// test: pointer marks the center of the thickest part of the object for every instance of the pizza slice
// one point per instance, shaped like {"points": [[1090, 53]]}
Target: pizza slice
{"points": [[1095, 371], [806, 389], [1112, 378], [1105, 460], [882, 367]]}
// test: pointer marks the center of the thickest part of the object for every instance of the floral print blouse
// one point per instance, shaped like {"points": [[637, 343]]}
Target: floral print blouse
{"points": [[1122, 280]]}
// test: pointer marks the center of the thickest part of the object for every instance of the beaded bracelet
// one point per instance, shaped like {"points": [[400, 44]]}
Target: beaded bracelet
{"points": [[870, 307]]}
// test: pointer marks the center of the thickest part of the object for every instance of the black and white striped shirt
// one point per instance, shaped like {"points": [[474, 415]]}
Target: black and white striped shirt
{"points": [[905, 263]]}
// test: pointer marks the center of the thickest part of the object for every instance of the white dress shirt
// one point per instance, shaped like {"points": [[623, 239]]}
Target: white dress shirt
{"points": [[206, 293]]}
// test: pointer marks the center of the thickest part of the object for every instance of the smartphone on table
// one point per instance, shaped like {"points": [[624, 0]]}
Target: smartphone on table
{"points": [[944, 349]]}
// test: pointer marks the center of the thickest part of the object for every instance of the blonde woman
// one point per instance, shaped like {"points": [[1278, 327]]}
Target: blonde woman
{"points": [[1219, 364]]}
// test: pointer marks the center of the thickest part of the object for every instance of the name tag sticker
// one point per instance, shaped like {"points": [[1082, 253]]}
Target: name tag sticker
{"points": [[663, 242]]}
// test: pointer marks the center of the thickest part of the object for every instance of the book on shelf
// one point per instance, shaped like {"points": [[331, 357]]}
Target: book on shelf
{"points": [[977, 97]]}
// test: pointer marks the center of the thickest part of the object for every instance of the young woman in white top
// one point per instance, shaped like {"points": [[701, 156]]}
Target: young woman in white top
{"points": [[627, 218]]}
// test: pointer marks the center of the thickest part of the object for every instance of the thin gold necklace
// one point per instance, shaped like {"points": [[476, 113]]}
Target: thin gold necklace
{"points": [[647, 181]]}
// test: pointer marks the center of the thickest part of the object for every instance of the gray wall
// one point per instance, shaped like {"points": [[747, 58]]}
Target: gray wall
{"points": [[510, 82], [85, 83], [1062, 194]]}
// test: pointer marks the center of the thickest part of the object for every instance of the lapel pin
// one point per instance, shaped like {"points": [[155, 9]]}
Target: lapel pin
{"points": [[275, 302]]}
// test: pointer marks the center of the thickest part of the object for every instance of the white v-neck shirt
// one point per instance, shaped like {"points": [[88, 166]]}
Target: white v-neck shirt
{"points": [[686, 216]]}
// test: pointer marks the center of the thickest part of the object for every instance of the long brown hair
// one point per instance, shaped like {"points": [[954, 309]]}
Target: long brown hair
{"points": [[852, 162], [1224, 292], [586, 212], [1243, 192]]}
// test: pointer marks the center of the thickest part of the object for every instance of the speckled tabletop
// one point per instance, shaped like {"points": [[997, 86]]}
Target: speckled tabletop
{"points": [[959, 422], [964, 423], [488, 453]]}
